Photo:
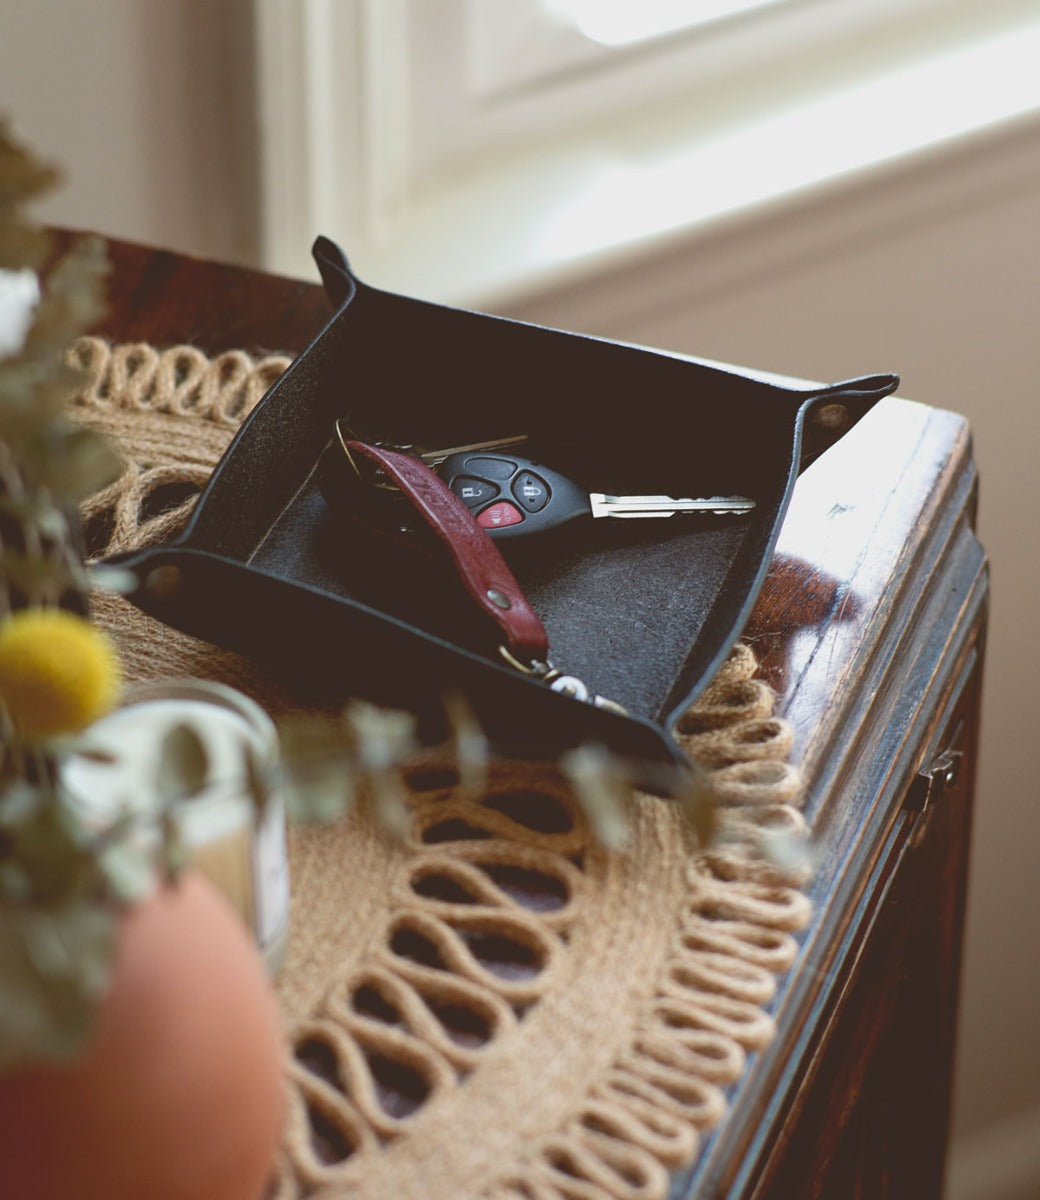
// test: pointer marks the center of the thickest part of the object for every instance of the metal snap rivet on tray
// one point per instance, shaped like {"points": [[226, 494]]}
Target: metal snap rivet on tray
{"points": [[163, 581]]}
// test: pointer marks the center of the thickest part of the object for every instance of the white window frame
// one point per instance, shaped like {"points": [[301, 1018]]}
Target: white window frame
{"points": [[515, 195]]}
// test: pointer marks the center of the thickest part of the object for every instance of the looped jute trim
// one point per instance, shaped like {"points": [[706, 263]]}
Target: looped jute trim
{"points": [[496, 1006], [172, 413]]}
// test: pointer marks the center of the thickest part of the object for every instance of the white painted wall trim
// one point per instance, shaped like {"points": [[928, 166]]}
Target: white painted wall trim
{"points": [[302, 53]]}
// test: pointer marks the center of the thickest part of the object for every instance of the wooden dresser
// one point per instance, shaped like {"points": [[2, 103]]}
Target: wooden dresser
{"points": [[871, 629]]}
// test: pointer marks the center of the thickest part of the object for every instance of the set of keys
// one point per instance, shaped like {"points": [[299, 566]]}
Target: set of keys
{"points": [[511, 496]]}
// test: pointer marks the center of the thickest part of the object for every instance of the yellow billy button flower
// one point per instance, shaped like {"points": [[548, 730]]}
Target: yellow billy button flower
{"points": [[58, 672]]}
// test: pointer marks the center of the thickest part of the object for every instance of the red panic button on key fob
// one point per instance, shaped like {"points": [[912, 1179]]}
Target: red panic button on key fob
{"points": [[499, 515]]}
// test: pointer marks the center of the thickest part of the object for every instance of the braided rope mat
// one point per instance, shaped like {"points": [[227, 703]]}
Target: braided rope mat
{"points": [[495, 1006]]}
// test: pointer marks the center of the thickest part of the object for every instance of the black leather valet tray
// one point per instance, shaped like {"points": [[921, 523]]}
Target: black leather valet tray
{"points": [[643, 611]]}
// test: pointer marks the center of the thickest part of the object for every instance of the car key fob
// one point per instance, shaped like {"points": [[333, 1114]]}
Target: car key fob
{"points": [[512, 496]]}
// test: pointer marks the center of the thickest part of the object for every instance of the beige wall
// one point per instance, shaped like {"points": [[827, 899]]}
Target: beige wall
{"points": [[147, 107]]}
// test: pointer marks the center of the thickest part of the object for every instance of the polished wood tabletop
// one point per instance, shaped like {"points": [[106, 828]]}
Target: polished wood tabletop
{"points": [[870, 628]]}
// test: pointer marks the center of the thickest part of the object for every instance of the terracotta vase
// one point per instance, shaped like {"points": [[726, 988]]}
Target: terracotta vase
{"points": [[179, 1095]]}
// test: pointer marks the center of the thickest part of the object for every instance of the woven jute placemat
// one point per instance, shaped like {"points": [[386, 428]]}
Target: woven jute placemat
{"points": [[494, 1005]]}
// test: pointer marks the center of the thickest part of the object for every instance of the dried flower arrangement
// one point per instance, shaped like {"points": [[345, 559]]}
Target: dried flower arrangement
{"points": [[57, 672], [67, 878], [99, 962]]}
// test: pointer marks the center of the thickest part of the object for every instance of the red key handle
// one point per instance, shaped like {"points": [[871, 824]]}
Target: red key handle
{"points": [[475, 556]]}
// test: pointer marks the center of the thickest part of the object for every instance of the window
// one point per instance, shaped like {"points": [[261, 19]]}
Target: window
{"points": [[482, 78], [522, 43], [459, 148], [617, 23]]}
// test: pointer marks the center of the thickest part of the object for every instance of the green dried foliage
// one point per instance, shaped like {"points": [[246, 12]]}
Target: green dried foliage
{"points": [[57, 462], [22, 248], [699, 809], [328, 764], [602, 790], [23, 178], [62, 884], [469, 749], [56, 965], [62, 881]]}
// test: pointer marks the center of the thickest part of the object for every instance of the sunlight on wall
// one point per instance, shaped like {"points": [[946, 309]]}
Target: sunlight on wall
{"points": [[621, 23], [638, 195]]}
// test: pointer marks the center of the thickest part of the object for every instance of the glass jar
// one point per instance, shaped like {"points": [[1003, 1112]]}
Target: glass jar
{"points": [[240, 850]]}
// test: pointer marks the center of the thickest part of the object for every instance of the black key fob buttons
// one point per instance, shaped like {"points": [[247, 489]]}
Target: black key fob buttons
{"points": [[510, 496]]}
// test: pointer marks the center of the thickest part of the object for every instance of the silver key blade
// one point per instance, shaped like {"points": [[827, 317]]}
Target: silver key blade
{"points": [[665, 506], [434, 458]]}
